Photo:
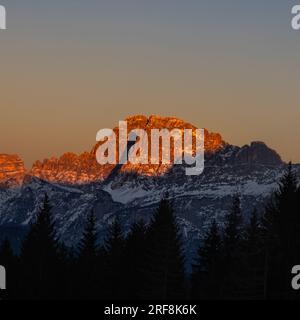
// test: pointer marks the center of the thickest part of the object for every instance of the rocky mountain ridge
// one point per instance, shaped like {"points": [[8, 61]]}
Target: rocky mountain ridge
{"points": [[77, 184], [82, 169]]}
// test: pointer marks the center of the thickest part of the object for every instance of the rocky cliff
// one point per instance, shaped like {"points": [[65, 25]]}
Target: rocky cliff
{"points": [[12, 170], [83, 169]]}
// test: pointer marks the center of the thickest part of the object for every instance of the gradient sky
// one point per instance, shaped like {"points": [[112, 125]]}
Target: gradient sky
{"points": [[70, 68]]}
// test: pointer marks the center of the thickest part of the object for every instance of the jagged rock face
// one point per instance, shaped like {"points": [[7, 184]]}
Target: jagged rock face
{"points": [[12, 170], [83, 169], [251, 171], [213, 142], [71, 169], [74, 169]]}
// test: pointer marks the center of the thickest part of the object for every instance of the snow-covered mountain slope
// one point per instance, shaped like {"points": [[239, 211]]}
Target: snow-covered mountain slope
{"points": [[75, 186], [197, 200]]}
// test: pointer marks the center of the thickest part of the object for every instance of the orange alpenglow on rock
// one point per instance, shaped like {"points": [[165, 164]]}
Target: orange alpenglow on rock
{"points": [[79, 169], [212, 141], [12, 170]]}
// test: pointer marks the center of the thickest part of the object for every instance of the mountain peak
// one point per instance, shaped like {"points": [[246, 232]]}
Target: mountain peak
{"points": [[258, 152], [213, 141], [71, 168]]}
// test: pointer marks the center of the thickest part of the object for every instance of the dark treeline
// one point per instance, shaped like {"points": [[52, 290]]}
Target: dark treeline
{"points": [[242, 260]]}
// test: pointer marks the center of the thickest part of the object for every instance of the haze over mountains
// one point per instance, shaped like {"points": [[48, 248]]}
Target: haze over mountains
{"points": [[77, 184]]}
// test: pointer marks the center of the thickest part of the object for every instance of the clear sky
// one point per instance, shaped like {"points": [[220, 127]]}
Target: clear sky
{"points": [[70, 68]]}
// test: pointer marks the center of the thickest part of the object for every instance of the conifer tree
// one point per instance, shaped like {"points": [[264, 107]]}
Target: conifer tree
{"points": [[281, 225], [253, 259], [88, 243], [68, 270], [253, 233], [114, 244], [208, 270], [114, 249], [39, 258], [7, 256], [164, 270], [233, 228], [87, 275], [232, 241], [134, 257]]}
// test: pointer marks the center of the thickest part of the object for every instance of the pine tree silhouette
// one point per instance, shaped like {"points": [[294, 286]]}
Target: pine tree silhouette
{"points": [[135, 248], [39, 258], [164, 263], [246, 262], [253, 232], [208, 270], [233, 227], [114, 249], [253, 254], [7, 256], [232, 249], [68, 270], [88, 243], [88, 267], [282, 225]]}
